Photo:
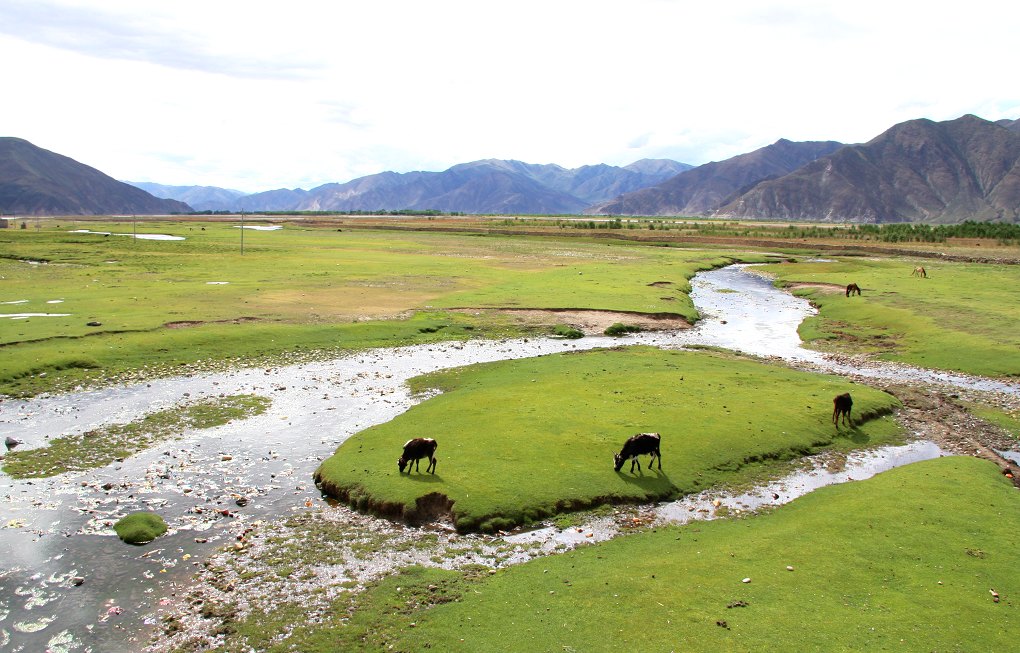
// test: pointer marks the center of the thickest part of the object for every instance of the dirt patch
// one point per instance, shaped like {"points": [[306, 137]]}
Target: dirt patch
{"points": [[595, 322], [184, 324], [824, 287], [939, 417], [659, 284]]}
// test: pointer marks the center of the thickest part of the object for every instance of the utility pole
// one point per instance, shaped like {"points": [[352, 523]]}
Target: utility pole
{"points": [[242, 232]]}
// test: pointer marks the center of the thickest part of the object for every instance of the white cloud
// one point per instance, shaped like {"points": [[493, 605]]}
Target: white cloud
{"points": [[258, 95]]}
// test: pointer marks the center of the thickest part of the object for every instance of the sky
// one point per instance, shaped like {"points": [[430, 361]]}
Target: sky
{"points": [[255, 95]]}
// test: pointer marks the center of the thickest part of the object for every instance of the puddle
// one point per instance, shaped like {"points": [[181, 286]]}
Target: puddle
{"points": [[255, 227], [25, 316], [1013, 456], [212, 485], [136, 236]]}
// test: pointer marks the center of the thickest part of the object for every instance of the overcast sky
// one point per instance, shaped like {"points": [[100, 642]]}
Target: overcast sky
{"points": [[257, 95]]}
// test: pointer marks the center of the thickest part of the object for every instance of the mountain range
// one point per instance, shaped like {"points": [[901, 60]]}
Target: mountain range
{"points": [[34, 181], [919, 170], [488, 186]]}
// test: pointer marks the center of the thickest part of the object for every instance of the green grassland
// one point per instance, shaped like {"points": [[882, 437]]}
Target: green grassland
{"points": [[557, 420], [904, 561], [962, 317], [166, 303]]}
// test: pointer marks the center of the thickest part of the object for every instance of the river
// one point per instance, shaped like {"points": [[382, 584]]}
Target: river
{"points": [[67, 583]]}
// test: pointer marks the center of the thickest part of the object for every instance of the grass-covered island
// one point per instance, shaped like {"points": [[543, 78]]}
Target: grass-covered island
{"points": [[523, 440]]}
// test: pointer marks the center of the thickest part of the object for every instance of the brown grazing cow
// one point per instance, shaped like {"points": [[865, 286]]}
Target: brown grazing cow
{"points": [[841, 405], [853, 288], [638, 445], [414, 451], [919, 271]]}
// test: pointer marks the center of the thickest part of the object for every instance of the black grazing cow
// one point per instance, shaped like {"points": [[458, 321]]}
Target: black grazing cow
{"points": [[853, 288], [841, 405], [638, 445], [415, 450]]}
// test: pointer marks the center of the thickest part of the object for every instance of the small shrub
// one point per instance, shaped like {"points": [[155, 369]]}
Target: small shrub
{"points": [[140, 527], [620, 329], [567, 331]]}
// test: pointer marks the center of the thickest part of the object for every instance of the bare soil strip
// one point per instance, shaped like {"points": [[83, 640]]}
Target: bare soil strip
{"points": [[593, 322]]}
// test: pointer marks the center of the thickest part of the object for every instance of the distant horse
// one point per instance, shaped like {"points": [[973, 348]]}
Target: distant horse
{"points": [[841, 405], [919, 271], [853, 288]]}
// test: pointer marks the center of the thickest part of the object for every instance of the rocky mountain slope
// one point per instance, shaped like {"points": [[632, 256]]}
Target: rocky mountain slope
{"points": [[34, 181], [704, 188], [917, 171]]}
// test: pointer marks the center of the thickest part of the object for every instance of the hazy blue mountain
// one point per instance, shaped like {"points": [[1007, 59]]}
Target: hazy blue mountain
{"points": [[493, 186], [200, 198], [1011, 125]]}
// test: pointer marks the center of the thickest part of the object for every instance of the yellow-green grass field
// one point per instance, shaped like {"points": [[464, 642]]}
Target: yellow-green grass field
{"points": [[523, 440], [962, 317], [162, 303]]}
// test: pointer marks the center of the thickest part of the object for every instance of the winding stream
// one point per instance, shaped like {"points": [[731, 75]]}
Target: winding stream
{"points": [[68, 584]]}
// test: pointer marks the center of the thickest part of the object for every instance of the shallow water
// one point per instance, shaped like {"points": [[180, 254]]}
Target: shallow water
{"points": [[54, 530], [136, 236]]}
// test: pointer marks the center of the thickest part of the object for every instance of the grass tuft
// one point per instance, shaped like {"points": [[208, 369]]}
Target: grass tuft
{"points": [[140, 527]]}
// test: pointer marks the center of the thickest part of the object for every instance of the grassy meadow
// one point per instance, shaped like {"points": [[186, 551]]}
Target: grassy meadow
{"points": [[961, 317], [917, 559], [906, 561], [156, 304], [557, 421]]}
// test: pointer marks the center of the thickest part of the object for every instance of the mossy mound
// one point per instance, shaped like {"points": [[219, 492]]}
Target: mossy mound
{"points": [[140, 527]]}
